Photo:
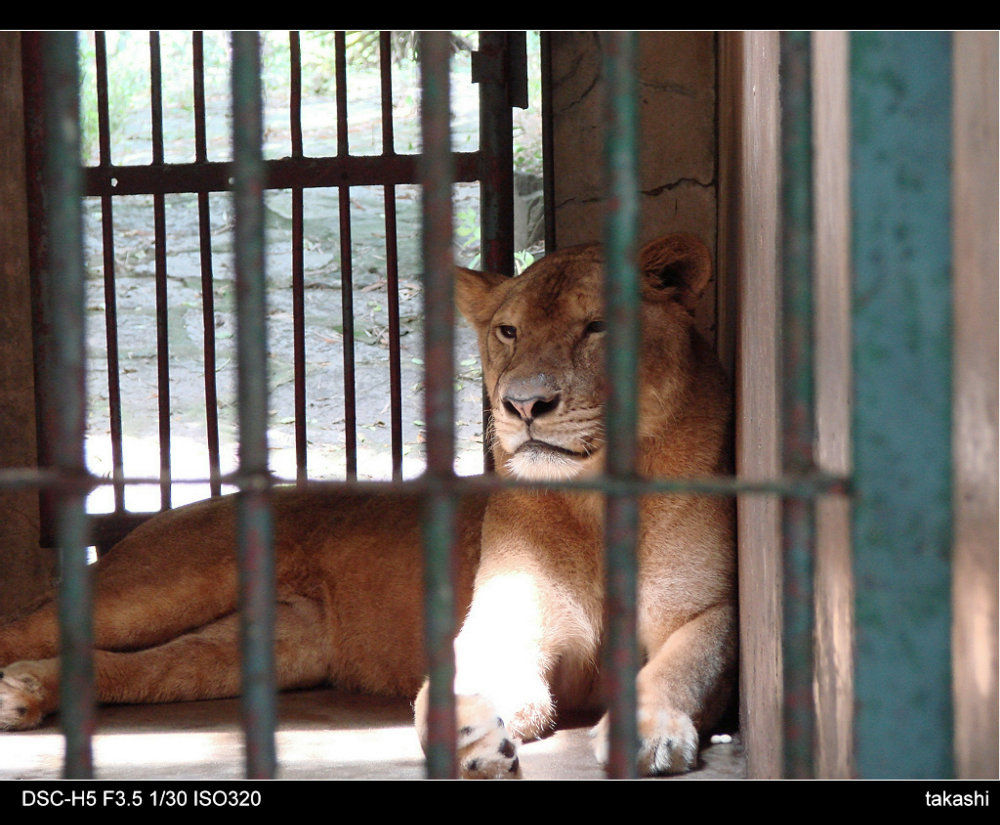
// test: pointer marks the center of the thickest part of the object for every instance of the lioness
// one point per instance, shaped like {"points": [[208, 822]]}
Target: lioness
{"points": [[530, 580]]}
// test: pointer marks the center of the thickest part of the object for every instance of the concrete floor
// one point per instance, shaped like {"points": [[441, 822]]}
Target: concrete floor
{"points": [[322, 734]]}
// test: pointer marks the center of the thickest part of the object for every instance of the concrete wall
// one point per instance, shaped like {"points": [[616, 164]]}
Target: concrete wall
{"points": [[677, 160]]}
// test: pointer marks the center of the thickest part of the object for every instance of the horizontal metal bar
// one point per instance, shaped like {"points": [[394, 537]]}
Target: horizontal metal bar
{"points": [[802, 486], [282, 173]]}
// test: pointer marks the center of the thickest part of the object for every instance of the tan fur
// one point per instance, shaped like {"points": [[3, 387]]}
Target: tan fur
{"points": [[530, 580]]}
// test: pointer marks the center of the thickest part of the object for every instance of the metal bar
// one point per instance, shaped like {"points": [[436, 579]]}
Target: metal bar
{"points": [[298, 263], [548, 143], [496, 124], [808, 486], [798, 431], [58, 270], [391, 262], [902, 511], [620, 652], [110, 300], [280, 173], [439, 520], [255, 527], [207, 277], [491, 70], [33, 73], [162, 308], [346, 266]]}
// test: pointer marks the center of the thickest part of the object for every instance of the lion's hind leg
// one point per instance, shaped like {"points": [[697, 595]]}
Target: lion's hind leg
{"points": [[202, 664], [139, 600]]}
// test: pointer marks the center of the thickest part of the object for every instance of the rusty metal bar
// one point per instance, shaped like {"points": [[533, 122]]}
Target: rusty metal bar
{"points": [[255, 528], [205, 248], [622, 312], [548, 143], [298, 263], [439, 518], [110, 299], [281, 173], [391, 262], [798, 430], [160, 267], [806, 486], [492, 70], [33, 73], [346, 264]]}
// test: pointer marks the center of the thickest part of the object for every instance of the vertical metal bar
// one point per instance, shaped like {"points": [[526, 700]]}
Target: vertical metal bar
{"points": [[160, 235], [496, 148], [35, 123], [492, 71], [622, 312], [975, 221], [255, 528], [798, 514], [346, 265], [901, 248], [298, 263], [391, 261], [439, 534], [548, 143], [58, 268], [110, 300], [207, 289]]}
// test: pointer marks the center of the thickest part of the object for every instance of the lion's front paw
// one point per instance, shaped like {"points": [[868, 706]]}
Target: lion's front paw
{"points": [[485, 749], [22, 698], [668, 742]]}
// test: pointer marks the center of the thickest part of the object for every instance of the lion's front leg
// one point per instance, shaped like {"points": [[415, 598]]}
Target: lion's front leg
{"points": [[681, 692], [502, 658]]}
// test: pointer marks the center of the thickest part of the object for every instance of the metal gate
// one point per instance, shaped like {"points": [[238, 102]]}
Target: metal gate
{"points": [[499, 69]]}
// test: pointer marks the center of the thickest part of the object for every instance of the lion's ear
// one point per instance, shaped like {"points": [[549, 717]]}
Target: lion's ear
{"points": [[477, 294], [675, 267]]}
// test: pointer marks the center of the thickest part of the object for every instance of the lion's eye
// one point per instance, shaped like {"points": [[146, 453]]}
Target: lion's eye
{"points": [[594, 327], [507, 332]]}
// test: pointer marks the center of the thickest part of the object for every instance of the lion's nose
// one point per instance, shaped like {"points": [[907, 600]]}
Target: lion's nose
{"points": [[531, 407]]}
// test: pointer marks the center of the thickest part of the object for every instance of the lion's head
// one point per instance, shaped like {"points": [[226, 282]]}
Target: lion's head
{"points": [[541, 339]]}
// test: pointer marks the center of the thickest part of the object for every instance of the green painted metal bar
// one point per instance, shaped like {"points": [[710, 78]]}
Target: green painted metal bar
{"points": [[798, 430], [901, 238], [254, 526], [439, 319], [62, 184], [623, 338], [55, 182]]}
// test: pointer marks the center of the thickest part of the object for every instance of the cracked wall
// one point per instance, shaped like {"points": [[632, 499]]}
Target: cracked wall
{"points": [[677, 123]]}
